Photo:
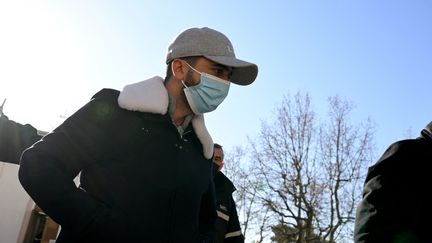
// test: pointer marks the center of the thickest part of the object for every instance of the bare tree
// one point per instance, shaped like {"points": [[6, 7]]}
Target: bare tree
{"points": [[254, 219], [311, 169], [345, 150]]}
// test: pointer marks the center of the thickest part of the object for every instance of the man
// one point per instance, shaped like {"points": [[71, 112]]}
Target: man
{"points": [[227, 224], [144, 153], [396, 202]]}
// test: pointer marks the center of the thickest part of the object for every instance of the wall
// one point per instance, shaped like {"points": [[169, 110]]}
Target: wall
{"points": [[15, 205]]}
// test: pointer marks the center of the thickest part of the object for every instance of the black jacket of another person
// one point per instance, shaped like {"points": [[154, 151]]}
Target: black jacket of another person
{"points": [[396, 205], [14, 139], [227, 224]]}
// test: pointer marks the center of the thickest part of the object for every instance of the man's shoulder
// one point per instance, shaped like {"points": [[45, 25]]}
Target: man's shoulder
{"points": [[407, 148], [109, 98], [222, 177], [223, 182], [402, 156], [107, 93]]}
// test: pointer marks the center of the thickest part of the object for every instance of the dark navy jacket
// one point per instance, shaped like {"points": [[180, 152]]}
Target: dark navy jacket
{"points": [[227, 224], [140, 180]]}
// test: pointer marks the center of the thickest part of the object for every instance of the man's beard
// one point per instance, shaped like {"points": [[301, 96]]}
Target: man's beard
{"points": [[188, 82], [189, 78]]}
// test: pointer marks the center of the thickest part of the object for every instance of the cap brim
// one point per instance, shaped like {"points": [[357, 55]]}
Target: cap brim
{"points": [[244, 73]]}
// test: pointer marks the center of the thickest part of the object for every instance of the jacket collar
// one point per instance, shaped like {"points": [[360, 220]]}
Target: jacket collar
{"points": [[151, 96]]}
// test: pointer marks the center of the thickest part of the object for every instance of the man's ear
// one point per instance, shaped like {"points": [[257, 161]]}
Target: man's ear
{"points": [[178, 70]]}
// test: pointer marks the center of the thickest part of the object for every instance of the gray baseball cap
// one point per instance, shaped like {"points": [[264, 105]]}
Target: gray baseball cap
{"points": [[214, 46]]}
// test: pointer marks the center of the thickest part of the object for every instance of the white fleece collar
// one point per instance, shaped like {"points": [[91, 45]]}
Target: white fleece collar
{"points": [[151, 96]]}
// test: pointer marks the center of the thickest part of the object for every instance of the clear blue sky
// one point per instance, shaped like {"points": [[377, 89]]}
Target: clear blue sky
{"points": [[54, 55]]}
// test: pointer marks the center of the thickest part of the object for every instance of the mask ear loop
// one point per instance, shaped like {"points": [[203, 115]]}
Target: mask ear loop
{"points": [[172, 69], [194, 69], [186, 87]]}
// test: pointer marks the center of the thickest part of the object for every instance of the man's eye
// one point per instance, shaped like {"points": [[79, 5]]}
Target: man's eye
{"points": [[221, 73], [217, 71]]}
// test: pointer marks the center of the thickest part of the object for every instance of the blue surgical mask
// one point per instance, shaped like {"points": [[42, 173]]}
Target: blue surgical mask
{"points": [[208, 94]]}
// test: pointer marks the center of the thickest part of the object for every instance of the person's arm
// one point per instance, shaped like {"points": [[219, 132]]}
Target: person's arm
{"points": [[48, 168], [14, 139], [381, 212], [233, 233], [370, 221], [207, 215]]}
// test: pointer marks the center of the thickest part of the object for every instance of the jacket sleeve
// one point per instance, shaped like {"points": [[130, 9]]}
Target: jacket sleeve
{"points": [[369, 218], [381, 210], [14, 139], [48, 168], [207, 215], [233, 233]]}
